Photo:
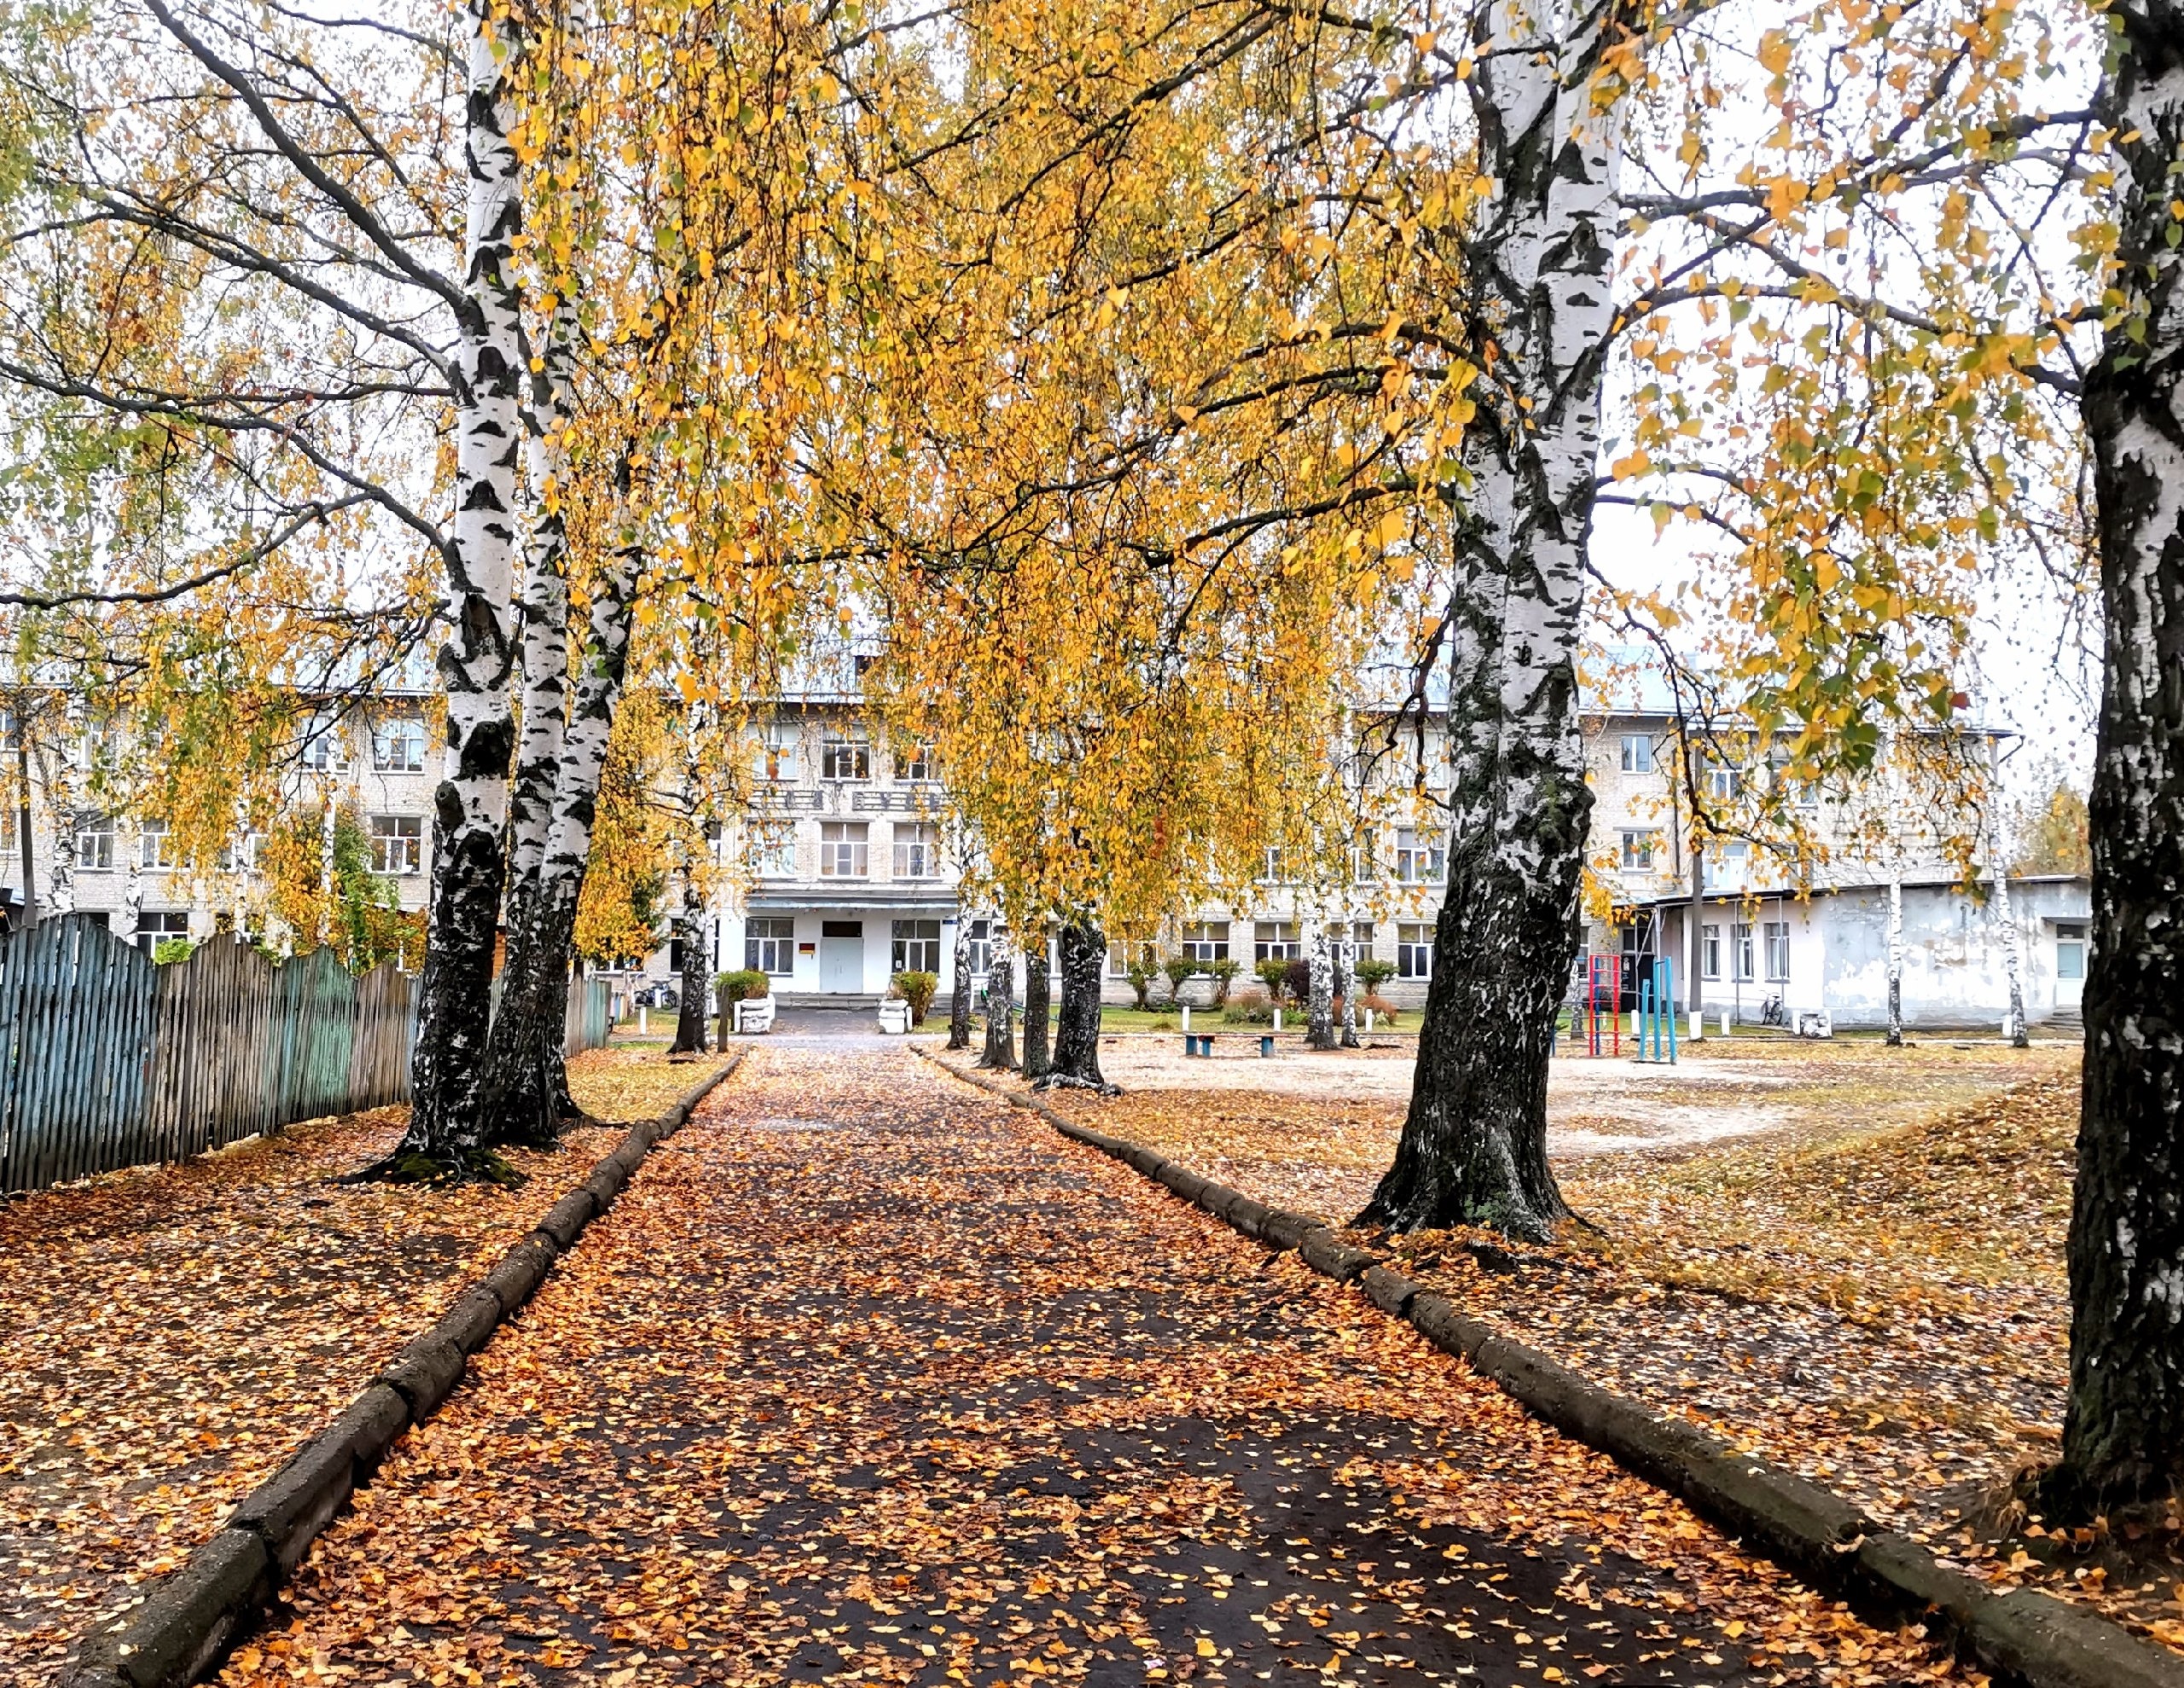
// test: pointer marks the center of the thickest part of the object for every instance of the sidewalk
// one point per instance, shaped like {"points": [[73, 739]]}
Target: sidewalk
{"points": [[866, 1378], [169, 1334]]}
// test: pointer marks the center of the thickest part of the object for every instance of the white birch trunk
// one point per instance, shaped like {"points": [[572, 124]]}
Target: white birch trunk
{"points": [[132, 883], [1895, 963], [1319, 1014], [2013, 1024], [328, 815], [2124, 1431], [470, 807], [1473, 1148]]}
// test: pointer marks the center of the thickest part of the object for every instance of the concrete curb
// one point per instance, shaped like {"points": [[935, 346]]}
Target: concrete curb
{"points": [[2025, 1637], [189, 1619]]}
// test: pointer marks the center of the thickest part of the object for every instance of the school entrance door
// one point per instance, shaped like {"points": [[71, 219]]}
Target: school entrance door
{"points": [[841, 957]]}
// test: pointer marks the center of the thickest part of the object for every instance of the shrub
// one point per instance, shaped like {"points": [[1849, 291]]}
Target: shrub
{"points": [[1224, 973], [918, 990], [1141, 976], [1383, 1010], [741, 985], [1179, 970], [171, 949], [1272, 974], [1296, 980], [1372, 974], [1249, 1007]]}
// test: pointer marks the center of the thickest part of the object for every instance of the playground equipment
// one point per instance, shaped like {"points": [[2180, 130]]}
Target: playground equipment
{"points": [[1655, 1016], [1602, 1011]]}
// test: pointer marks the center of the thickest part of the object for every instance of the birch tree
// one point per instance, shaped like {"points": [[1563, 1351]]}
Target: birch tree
{"points": [[2123, 1429]]}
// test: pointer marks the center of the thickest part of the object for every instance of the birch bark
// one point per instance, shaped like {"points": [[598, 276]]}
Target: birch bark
{"points": [[1473, 1149], [2014, 1025], [1037, 1005], [1000, 1052], [2123, 1428], [1895, 964], [525, 1080], [470, 806], [959, 995], [1076, 1042], [1319, 1014], [1345, 985]]}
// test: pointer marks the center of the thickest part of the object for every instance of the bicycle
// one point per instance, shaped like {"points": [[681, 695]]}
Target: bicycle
{"points": [[1772, 1013]]}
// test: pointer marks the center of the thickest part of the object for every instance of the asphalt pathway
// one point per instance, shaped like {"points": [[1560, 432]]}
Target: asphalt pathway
{"points": [[870, 1377]]}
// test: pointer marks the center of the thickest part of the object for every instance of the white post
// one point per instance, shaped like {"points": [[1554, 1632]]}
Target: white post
{"points": [[1277, 1019], [1698, 1023], [641, 1019], [1187, 1017], [1368, 1020]]}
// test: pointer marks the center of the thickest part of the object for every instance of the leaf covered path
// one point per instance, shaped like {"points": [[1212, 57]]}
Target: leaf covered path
{"points": [[869, 1377]]}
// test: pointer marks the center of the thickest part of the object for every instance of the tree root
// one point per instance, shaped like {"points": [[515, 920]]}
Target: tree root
{"points": [[412, 1166], [1065, 1081]]}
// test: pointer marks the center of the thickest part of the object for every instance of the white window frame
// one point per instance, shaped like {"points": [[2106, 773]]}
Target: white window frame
{"points": [[397, 846], [1415, 949], [844, 849], [769, 944], [1277, 940], [1637, 753], [916, 852], [157, 924], [94, 845], [772, 847], [1197, 942], [1640, 844], [398, 746], [1775, 937], [919, 767], [326, 746], [154, 847], [1419, 864], [843, 748], [777, 756], [1741, 951], [917, 945], [978, 947], [1709, 950]]}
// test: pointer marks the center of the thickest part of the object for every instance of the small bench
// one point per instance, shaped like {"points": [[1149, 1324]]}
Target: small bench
{"points": [[1201, 1043], [754, 1014], [894, 1016]]}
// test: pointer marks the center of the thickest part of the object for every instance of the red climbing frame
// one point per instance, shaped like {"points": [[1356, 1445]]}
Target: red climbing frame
{"points": [[1603, 1001]]}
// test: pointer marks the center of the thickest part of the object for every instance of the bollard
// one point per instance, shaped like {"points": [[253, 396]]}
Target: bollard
{"points": [[1368, 1020], [1277, 1019], [1186, 1017], [641, 1019]]}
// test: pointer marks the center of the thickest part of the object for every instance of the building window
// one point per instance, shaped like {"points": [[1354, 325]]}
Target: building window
{"points": [[917, 852], [1414, 951], [844, 756], [1118, 954], [777, 757], [1275, 870], [1364, 869], [769, 944], [95, 844], [1778, 950], [1741, 948], [1724, 782], [1418, 862], [1360, 934], [1710, 952], [11, 731], [978, 947], [917, 947], [917, 764], [1637, 753], [399, 747], [325, 749], [1638, 847], [398, 844], [8, 843], [773, 849], [1205, 940], [1276, 941], [155, 846], [2069, 952], [844, 852], [152, 930]]}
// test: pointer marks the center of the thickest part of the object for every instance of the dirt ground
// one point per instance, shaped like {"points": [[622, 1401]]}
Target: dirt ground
{"points": [[1846, 1256], [169, 1334]]}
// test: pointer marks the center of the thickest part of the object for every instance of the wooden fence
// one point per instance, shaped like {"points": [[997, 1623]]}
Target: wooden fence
{"points": [[109, 1060]]}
